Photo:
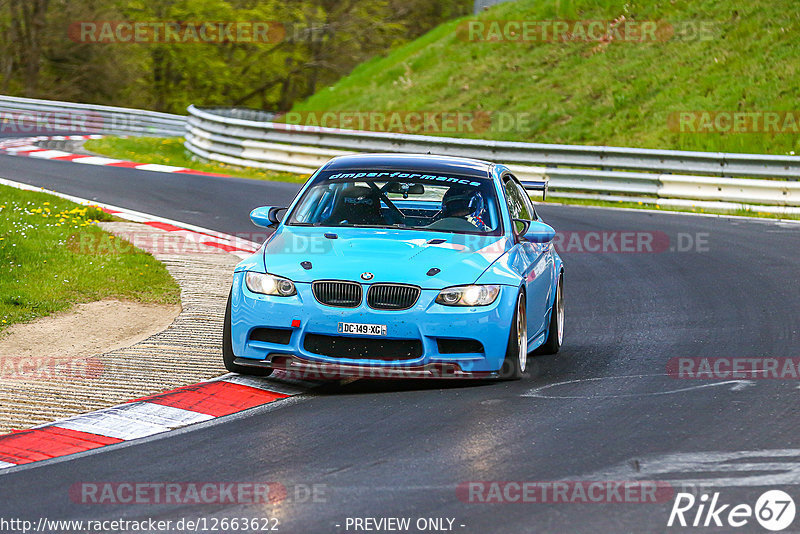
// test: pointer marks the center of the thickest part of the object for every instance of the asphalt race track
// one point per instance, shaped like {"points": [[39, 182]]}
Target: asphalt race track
{"points": [[602, 409]]}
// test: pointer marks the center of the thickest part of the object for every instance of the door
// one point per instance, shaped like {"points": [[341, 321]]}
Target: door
{"points": [[535, 260]]}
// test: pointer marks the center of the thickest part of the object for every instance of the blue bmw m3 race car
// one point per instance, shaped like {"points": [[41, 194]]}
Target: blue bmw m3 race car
{"points": [[389, 265]]}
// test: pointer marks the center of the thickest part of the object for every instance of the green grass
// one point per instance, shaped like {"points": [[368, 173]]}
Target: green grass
{"points": [[44, 268], [618, 94], [170, 151]]}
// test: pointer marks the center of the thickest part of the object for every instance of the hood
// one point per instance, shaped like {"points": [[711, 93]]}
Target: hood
{"points": [[391, 255]]}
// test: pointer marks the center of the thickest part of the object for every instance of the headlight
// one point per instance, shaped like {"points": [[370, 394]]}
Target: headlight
{"points": [[268, 284], [468, 295]]}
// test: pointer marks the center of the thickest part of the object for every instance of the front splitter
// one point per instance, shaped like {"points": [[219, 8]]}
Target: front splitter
{"points": [[331, 371]]}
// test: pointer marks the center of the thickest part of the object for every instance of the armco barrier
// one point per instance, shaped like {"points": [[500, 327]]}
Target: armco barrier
{"points": [[28, 116], [764, 182], [250, 138]]}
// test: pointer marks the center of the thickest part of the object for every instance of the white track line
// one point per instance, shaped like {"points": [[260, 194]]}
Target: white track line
{"points": [[49, 154], [29, 145], [95, 160], [157, 168]]}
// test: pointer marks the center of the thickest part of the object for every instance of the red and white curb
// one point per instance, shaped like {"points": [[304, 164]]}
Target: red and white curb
{"points": [[27, 147], [159, 413], [237, 246], [147, 416]]}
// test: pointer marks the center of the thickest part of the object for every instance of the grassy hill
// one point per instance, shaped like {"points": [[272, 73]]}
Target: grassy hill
{"points": [[710, 55]]}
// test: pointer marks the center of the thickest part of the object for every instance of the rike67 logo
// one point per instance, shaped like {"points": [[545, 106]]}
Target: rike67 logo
{"points": [[774, 510]]}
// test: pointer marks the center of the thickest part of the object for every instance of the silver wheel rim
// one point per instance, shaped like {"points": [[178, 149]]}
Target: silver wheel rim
{"points": [[522, 334], [560, 313]]}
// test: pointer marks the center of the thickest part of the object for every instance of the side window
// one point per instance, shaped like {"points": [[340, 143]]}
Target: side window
{"points": [[527, 199], [519, 205]]}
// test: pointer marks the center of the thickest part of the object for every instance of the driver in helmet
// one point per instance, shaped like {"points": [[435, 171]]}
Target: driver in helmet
{"points": [[467, 204]]}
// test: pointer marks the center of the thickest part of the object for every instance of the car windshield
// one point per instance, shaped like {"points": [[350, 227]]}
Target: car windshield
{"points": [[407, 200]]}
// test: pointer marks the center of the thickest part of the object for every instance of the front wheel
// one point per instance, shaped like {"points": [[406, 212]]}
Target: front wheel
{"points": [[555, 334], [227, 350], [517, 350]]}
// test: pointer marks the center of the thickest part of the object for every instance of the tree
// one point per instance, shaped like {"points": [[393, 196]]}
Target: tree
{"points": [[28, 21], [323, 41]]}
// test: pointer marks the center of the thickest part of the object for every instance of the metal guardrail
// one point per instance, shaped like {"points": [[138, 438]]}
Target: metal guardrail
{"points": [[28, 116], [249, 138], [729, 180]]}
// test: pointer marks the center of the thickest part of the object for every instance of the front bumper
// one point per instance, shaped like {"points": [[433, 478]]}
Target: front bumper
{"points": [[427, 324]]}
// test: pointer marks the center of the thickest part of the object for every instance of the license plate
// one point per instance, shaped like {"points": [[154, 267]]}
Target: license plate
{"points": [[362, 329]]}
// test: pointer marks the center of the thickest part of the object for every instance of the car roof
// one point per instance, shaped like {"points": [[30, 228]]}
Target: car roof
{"points": [[413, 162]]}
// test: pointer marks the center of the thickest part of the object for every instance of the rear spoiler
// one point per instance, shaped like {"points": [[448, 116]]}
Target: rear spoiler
{"points": [[537, 185]]}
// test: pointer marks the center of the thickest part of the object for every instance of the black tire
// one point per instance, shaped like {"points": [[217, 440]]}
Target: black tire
{"points": [[227, 350], [514, 363], [555, 334]]}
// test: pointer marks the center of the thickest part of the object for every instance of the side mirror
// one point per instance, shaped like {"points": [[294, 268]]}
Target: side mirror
{"points": [[536, 232], [266, 216]]}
